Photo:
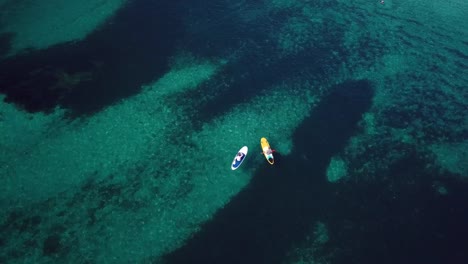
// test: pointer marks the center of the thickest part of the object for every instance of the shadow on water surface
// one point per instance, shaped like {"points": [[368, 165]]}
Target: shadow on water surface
{"points": [[112, 63], [280, 205]]}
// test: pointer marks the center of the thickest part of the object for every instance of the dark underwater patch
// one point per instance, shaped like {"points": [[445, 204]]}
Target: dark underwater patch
{"points": [[399, 218], [51, 245], [5, 43], [112, 63], [260, 65]]}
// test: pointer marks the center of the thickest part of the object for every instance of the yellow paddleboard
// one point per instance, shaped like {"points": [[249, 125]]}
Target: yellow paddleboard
{"points": [[267, 152]]}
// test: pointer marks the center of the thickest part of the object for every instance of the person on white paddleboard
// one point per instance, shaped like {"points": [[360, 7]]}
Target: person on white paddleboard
{"points": [[239, 156]]}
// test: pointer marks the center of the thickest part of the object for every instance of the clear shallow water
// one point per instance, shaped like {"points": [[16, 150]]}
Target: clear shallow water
{"points": [[117, 146]]}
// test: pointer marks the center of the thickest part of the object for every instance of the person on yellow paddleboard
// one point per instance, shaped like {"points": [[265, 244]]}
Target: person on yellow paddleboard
{"points": [[268, 152]]}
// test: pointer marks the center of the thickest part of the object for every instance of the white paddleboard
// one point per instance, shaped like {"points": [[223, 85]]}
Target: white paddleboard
{"points": [[239, 158]]}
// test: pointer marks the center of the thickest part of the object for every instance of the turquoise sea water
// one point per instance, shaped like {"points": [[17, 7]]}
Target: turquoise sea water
{"points": [[120, 120]]}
